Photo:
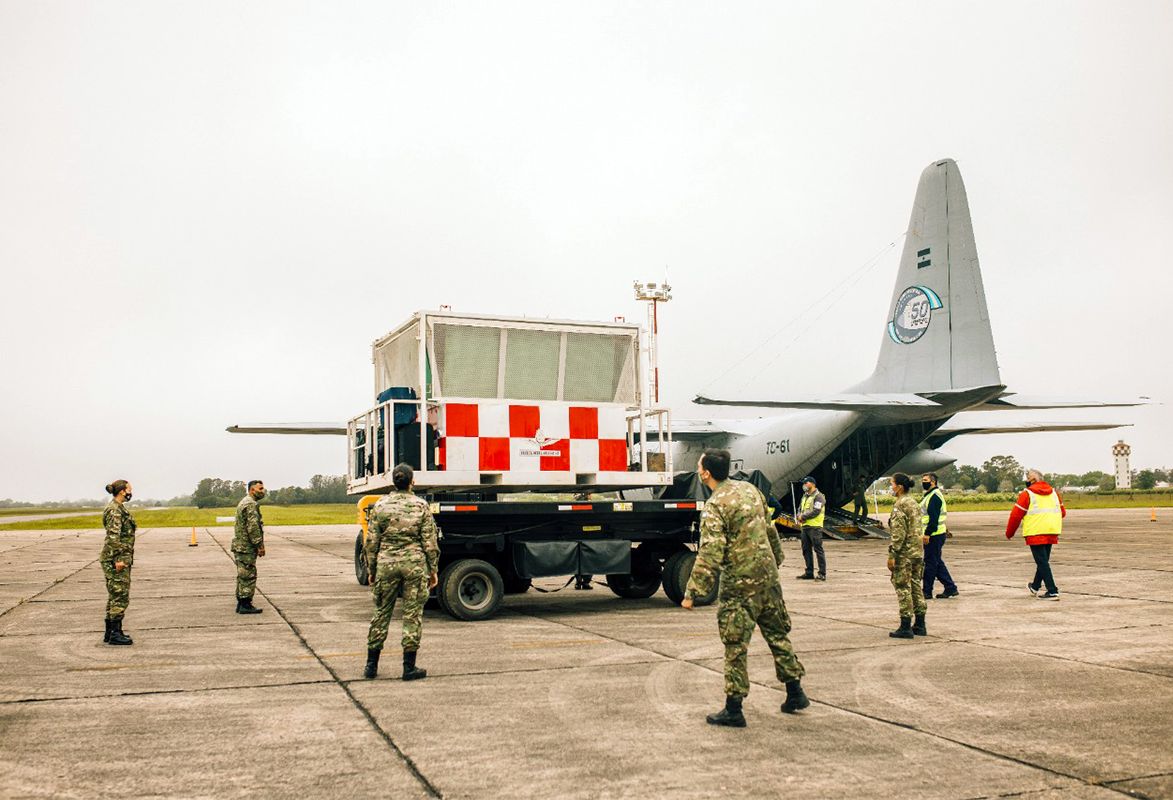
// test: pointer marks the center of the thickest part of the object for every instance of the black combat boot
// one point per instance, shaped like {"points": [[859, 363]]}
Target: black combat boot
{"points": [[246, 607], [796, 699], [116, 634], [372, 663], [109, 624], [730, 716], [918, 626], [904, 631], [806, 576], [410, 671]]}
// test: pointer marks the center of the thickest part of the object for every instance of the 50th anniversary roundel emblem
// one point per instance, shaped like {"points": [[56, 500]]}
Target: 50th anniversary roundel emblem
{"points": [[912, 314]]}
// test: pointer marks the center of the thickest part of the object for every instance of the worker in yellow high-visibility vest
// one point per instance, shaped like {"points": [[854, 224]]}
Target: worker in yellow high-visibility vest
{"points": [[1041, 513], [933, 516], [811, 511]]}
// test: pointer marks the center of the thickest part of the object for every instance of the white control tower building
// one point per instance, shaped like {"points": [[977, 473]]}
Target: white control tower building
{"points": [[1123, 474]]}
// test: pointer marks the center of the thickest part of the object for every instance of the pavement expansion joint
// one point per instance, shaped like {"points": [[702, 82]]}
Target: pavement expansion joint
{"points": [[35, 544], [311, 546], [970, 746], [873, 717], [152, 692], [138, 596], [428, 786], [50, 586], [1141, 777], [1015, 589], [518, 671]]}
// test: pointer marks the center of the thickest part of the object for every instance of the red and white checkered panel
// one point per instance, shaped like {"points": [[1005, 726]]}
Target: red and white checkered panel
{"points": [[533, 437]]}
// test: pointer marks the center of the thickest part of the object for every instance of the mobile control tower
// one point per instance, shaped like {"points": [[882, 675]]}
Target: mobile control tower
{"points": [[486, 407], [509, 405]]}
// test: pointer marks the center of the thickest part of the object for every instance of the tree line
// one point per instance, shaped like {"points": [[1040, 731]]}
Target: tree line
{"points": [[219, 493], [1004, 474]]}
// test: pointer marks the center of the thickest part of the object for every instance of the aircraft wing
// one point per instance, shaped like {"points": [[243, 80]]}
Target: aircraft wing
{"points": [[836, 402], [292, 428], [947, 401], [693, 430], [944, 434]]}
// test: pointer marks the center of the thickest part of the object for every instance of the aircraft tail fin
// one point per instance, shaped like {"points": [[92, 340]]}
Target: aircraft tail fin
{"points": [[937, 335]]}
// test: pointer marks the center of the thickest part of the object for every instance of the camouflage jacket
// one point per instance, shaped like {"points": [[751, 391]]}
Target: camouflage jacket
{"points": [[250, 527], [738, 543], [904, 524], [402, 526], [120, 529]]}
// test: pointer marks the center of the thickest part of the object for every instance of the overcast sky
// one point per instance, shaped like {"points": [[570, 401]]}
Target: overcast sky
{"points": [[209, 209]]}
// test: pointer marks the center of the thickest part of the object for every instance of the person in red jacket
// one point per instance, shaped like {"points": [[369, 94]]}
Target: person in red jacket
{"points": [[1041, 513]]}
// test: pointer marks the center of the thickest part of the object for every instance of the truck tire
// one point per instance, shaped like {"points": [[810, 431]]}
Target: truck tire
{"points": [[471, 589], [643, 581], [677, 571], [360, 562], [673, 588]]}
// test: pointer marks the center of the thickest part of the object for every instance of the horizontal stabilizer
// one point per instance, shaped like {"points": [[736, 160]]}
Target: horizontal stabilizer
{"points": [[944, 434], [1009, 401], [292, 428]]}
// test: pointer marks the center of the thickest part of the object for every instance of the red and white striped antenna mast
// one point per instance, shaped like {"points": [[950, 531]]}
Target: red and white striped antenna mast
{"points": [[653, 294]]}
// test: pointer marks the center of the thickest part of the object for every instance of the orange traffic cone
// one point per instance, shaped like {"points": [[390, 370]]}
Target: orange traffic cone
{"points": [[193, 542], [1153, 514]]}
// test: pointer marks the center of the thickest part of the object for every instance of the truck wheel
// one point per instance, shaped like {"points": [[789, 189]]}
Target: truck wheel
{"points": [[360, 562], [677, 571], [643, 580], [437, 594], [673, 587], [471, 589]]}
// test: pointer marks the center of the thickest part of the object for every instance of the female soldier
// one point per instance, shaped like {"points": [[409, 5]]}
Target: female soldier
{"points": [[116, 559], [906, 559]]}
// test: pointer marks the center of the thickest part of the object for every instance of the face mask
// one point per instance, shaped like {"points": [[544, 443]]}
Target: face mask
{"points": [[128, 496], [261, 495], [926, 485]]}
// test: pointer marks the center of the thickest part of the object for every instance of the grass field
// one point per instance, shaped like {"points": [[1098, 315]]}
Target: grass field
{"points": [[186, 517], [1003, 501], [345, 513]]}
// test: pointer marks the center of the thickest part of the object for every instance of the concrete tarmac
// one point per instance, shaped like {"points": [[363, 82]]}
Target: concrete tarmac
{"points": [[583, 694]]}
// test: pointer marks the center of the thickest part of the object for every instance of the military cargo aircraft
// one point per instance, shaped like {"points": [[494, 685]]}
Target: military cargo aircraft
{"points": [[937, 359]]}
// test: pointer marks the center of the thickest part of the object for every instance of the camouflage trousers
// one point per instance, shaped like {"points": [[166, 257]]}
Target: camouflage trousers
{"points": [[410, 576], [117, 590], [908, 577], [736, 619], [246, 574]]}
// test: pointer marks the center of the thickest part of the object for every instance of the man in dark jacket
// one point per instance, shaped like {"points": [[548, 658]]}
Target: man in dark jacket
{"points": [[934, 516]]}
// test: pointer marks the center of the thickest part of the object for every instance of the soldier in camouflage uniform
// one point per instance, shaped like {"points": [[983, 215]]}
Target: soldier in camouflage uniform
{"points": [[116, 559], [740, 546], [248, 544], [906, 559], [402, 553]]}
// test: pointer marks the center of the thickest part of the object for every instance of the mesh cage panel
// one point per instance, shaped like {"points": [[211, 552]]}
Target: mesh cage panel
{"points": [[467, 358], [595, 367], [531, 364], [627, 348], [397, 362]]}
